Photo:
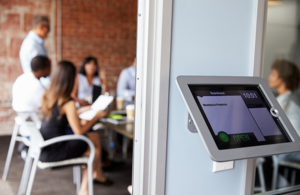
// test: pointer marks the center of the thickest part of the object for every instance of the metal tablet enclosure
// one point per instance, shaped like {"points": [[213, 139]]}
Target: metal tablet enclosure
{"points": [[204, 132]]}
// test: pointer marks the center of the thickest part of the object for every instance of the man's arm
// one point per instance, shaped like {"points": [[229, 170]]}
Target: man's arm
{"points": [[27, 52]]}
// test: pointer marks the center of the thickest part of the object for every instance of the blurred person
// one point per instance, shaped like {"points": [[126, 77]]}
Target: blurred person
{"points": [[27, 91], [59, 110], [88, 77], [285, 79], [126, 83], [33, 45]]}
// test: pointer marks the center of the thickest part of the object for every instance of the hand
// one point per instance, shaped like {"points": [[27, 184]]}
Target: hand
{"points": [[102, 74], [83, 103], [83, 109], [101, 114]]}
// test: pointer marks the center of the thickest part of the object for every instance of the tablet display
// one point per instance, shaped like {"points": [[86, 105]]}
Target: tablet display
{"points": [[238, 116]]}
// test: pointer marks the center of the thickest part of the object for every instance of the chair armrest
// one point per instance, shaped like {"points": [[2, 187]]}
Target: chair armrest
{"points": [[68, 138]]}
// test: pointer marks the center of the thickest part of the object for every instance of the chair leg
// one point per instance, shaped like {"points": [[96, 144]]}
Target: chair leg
{"points": [[78, 178], [10, 151], [25, 175], [261, 178], [286, 173], [293, 182], [275, 172], [90, 178], [32, 174], [74, 174]]}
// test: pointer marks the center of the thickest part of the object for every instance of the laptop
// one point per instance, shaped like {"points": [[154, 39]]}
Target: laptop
{"points": [[97, 91]]}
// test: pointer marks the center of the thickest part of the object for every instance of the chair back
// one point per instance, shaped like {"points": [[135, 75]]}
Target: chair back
{"points": [[24, 117], [32, 127]]}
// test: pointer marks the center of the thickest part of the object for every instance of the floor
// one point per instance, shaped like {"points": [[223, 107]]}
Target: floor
{"points": [[59, 181]]}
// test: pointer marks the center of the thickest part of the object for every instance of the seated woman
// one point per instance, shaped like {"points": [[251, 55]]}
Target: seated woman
{"points": [[285, 79], [89, 75], [58, 109]]}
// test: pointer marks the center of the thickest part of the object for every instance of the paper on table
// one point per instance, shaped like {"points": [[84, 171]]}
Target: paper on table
{"points": [[100, 104]]}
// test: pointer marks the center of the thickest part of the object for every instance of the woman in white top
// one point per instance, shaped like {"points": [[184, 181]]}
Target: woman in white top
{"points": [[89, 75], [285, 79]]}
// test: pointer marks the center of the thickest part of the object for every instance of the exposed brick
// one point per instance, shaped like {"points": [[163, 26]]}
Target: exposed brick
{"points": [[27, 22], [2, 48], [2, 73], [11, 3], [13, 72], [15, 45], [5, 90], [11, 22]]}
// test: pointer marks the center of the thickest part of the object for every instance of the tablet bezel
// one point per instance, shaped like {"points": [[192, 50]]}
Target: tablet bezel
{"points": [[183, 83]]}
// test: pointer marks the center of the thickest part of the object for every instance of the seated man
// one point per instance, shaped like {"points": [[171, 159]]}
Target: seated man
{"points": [[126, 84], [27, 91]]}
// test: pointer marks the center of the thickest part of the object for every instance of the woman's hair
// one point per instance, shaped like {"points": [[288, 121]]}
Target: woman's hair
{"points": [[288, 72], [88, 60], [61, 86]]}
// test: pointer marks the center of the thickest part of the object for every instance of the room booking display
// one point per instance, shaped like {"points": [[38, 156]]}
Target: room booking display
{"points": [[238, 116]]}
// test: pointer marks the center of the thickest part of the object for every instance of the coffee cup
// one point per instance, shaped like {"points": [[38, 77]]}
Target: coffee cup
{"points": [[120, 103], [130, 111]]}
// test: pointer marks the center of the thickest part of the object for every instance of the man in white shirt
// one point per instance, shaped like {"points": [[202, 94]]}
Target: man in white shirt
{"points": [[33, 45], [126, 83], [27, 91]]}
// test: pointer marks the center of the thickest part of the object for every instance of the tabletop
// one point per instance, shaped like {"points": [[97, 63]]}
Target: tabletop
{"points": [[124, 129]]}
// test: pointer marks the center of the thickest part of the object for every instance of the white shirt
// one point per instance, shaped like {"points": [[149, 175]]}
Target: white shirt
{"points": [[32, 46], [291, 109], [27, 93], [84, 88], [126, 83]]}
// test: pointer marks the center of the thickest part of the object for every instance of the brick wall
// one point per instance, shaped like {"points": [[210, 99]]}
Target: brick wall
{"points": [[15, 23], [105, 29]]}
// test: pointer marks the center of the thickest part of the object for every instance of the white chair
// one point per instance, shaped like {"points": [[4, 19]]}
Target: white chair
{"points": [[37, 143], [259, 166], [286, 165], [22, 116]]}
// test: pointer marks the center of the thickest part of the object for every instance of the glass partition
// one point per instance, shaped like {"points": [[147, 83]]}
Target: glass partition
{"points": [[281, 173]]}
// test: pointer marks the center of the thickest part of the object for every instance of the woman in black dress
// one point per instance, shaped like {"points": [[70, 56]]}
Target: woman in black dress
{"points": [[59, 110]]}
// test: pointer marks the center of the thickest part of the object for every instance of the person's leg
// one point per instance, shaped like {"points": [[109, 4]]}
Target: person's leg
{"points": [[97, 171], [84, 183]]}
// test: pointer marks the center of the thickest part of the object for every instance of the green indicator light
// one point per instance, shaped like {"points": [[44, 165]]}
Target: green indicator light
{"points": [[223, 136]]}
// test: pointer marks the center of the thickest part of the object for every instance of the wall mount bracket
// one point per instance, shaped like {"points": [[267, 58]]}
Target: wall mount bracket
{"points": [[191, 126]]}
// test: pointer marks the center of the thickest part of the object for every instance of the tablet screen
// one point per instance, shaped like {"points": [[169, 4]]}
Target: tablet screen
{"points": [[238, 116]]}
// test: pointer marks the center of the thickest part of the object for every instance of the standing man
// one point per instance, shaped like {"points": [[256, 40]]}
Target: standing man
{"points": [[126, 84], [33, 45]]}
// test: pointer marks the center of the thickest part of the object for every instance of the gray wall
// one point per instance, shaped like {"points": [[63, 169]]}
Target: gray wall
{"points": [[281, 34], [212, 37]]}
